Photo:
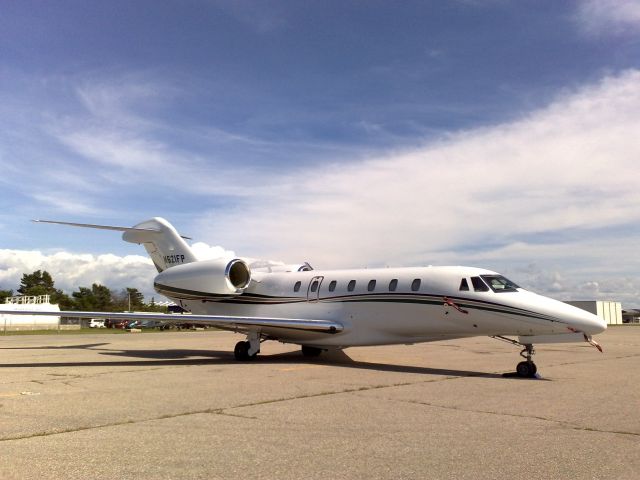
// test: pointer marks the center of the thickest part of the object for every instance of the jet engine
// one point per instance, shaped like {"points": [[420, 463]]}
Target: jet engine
{"points": [[205, 280]]}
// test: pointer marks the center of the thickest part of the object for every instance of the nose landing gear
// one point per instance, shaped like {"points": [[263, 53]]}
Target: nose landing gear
{"points": [[526, 369]]}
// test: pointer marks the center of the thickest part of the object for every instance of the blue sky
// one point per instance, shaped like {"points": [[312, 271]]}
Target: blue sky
{"points": [[491, 133]]}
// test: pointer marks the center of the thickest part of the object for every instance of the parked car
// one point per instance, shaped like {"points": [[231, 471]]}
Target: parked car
{"points": [[122, 324], [151, 324], [97, 323]]}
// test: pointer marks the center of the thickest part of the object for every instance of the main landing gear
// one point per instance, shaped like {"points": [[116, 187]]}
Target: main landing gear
{"points": [[526, 369], [249, 349], [308, 351]]}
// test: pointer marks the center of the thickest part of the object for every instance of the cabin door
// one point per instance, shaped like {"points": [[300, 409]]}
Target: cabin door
{"points": [[313, 290]]}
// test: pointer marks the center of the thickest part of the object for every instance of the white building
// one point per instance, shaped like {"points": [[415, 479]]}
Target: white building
{"points": [[29, 322], [609, 311]]}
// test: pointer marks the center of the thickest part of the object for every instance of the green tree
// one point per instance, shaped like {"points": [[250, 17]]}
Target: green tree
{"points": [[4, 294], [96, 298], [37, 283], [64, 301], [129, 297], [136, 299], [41, 283]]}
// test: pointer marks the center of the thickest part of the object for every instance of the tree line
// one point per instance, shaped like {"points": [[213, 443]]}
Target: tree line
{"points": [[95, 298]]}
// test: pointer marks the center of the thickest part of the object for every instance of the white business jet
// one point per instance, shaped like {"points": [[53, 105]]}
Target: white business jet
{"points": [[335, 309]]}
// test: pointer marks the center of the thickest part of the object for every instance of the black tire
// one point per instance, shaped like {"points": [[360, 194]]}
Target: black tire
{"points": [[241, 351], [526, 369], [308, 351]]}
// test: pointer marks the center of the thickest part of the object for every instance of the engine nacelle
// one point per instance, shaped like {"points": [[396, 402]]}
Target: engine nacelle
{"points": [[204, 280]]}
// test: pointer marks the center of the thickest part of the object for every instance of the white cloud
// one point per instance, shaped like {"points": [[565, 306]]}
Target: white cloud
{"points": [[68, 202], [203, 251], [73, 270], [117, 149], [579, 269], [609, 16], [571, 166]]}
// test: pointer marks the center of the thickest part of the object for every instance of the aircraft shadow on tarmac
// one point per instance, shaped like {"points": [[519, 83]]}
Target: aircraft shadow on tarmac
{"points": [[87, 346], [173, 357]]}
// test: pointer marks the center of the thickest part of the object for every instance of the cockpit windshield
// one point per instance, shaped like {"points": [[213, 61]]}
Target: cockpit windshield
{"points": [[500, 284]]}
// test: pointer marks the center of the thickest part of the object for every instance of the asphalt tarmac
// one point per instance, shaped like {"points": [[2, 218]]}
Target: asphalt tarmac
{"points": [[177, 405]]}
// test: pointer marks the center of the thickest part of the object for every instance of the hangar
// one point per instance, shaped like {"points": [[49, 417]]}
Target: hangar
{"points": [[609, 311], [29, 322], [631, 316]]}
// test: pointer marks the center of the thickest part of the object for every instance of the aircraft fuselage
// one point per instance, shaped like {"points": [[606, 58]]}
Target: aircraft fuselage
{"points": [[396, 305]]}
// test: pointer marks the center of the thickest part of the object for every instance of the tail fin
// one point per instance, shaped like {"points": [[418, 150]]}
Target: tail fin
{"points": [[163, 243]]}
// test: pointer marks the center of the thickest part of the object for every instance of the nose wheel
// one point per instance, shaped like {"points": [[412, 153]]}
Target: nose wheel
{"points": [[526, 369]]}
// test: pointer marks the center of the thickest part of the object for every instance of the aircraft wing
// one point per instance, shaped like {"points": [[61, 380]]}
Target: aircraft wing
{"points": [[220, 321]]}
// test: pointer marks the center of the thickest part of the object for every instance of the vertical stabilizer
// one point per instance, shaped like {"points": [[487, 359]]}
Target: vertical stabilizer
{"points": [[163, 243]]}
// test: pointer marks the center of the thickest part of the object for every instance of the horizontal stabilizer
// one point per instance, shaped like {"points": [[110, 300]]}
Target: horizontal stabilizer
{"points": [[220, 321], [104, 227]]}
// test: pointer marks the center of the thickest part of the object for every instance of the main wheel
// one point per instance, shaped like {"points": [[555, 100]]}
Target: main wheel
{"points": [[308, 351], [241, 351], [526, 369]]}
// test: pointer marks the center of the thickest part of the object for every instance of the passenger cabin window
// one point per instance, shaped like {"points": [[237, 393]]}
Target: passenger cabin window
{"points": [[352, 285], [332, 285], [415, 285], [314, 286], [500, 284], [372, 286], [296, 287], [393, 284], [464, 286], [479, 285]]}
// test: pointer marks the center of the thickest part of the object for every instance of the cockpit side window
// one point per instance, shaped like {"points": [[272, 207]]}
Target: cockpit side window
{"points": [[500, 284], [464, 286], [479, 285]]}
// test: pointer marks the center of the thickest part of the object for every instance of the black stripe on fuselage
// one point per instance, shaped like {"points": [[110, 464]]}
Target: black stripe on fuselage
{"points": [[427, 299], [408, 298]]}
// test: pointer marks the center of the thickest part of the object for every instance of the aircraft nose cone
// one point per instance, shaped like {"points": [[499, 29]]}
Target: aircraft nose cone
{"points": [[591, 324]]}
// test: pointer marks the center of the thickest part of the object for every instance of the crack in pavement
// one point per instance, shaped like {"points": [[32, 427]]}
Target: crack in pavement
{"points": [[562, 423], [603, 359], [217, 411], [57, 377], [226, 410]]}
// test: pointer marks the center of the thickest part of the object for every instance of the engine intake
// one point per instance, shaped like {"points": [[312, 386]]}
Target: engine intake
{"points": [[205, 280], [238, 273]]}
